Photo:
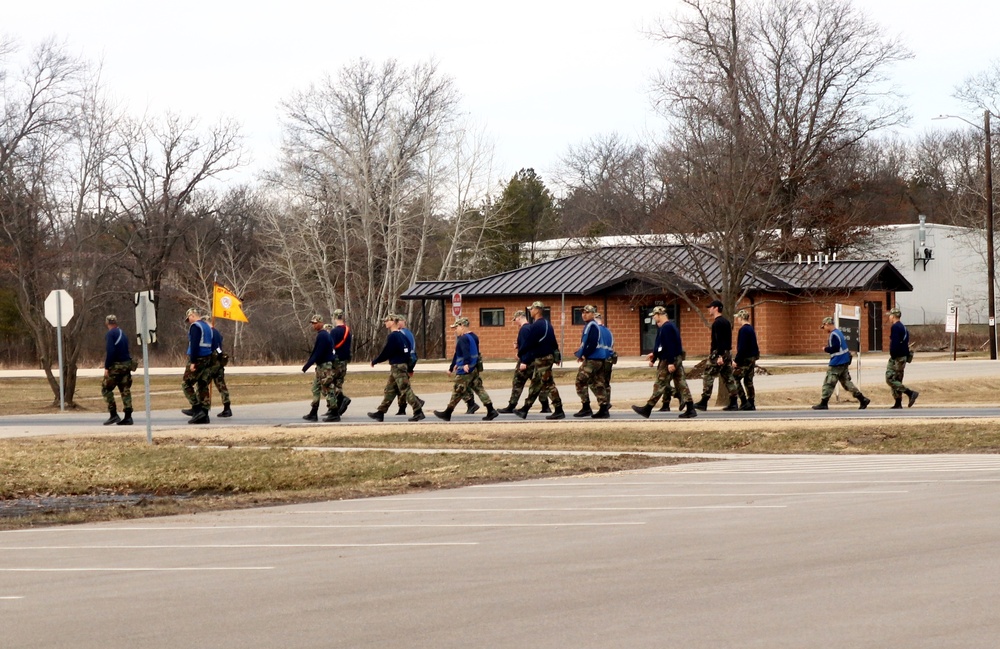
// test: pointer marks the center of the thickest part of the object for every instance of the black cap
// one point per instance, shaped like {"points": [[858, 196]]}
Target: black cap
{"points": [[716, 304]]}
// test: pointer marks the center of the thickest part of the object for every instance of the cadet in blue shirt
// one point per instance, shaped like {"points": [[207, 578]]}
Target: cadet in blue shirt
{"points": [[899, 356], [322, 358], [463, 365], [839, 368], [342, 341], [592, 356], [117, 373], [745, 361], [668, 358], [521, 377], [397, 352], [199, 369], [539, 354], [411, 339]]}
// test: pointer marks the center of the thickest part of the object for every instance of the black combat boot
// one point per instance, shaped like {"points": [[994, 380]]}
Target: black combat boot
{"points": [[689, 411], [545, 407], [732, 405], [472, 408], [417, 415], [378, 415], [330, 416], [200, 416], [603, 412], [444, 414], [743, 403], [312, 416], [666, 405], [822, 405], [644, 411], [127, 419], [863, 401], [521, 412], [401, 411], [342, 404], [557, 413], [226, 411], [491, 412], [749, 405], [702, 403], [585, 411], [897, 404], [113, 417], [912, 394], [190, 412], [509, 410]]}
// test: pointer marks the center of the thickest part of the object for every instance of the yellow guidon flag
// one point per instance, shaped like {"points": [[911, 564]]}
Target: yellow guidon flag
{"points": [[226, 305]]}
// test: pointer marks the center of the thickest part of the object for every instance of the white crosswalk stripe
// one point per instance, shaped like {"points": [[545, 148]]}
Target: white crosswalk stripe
{"points": [[841, 464]]}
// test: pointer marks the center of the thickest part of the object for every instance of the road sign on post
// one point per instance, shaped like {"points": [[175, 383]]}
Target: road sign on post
{"points": [[848, 320], [456, 305], [145, 325], [59, 311]]}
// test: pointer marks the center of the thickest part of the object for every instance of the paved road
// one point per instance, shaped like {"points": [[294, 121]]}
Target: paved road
{"points": [[872, 551]]}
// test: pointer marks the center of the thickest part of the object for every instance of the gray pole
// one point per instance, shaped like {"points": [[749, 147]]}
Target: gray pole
{"points": [[144, 337], [990, 267], [62, 389]]}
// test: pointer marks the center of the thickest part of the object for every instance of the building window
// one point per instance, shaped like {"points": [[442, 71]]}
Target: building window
{"points": [[578, 316], [491, 317]]}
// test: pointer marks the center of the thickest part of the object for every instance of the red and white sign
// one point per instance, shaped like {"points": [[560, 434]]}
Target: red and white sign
{"points": [[456, 305]]}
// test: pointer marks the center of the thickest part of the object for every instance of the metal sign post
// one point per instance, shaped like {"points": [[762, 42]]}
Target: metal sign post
{"points": [[848, 320], [951, 326], [59, 311], [145, 317]]}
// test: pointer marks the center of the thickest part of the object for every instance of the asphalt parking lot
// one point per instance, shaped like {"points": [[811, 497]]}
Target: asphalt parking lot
{"points": [[869, 551]]}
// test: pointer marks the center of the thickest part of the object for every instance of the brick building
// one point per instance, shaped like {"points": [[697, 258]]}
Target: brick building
{"points": [[787, 301]]}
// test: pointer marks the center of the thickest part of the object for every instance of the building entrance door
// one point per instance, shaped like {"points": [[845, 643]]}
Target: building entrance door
{"points": [[648, 328], [875, 324]]}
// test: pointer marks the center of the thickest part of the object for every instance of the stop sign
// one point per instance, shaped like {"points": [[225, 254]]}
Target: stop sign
{"points": [[59, 308], [456, 305]]}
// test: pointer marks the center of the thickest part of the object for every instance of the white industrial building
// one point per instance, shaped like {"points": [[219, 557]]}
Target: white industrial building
{"points": [[942, 262]]}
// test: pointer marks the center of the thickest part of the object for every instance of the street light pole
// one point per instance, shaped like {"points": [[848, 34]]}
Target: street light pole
{"points": [[990, 267], [990, 263]]}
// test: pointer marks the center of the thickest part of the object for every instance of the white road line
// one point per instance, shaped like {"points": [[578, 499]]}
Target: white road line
{"points": [[228, 546], [544, 509], [75, 530], [11, 596], [639, 496], [201, 569], [667, 482]]}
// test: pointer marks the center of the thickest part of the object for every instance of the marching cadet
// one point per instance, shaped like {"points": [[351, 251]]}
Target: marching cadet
{"points": [[117, 373], [412, 342], [608, 341], [592, 356], [839, 369], [322, 358], [463, 366], [199, 369], [342, 339], [521, 377], [397, 352], [745, 363], [720, 362], [899, 356], [668, 357], [219, 361], [540, 351]]}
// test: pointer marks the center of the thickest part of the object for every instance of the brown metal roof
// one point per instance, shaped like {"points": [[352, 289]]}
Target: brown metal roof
{"points": [[604, 269]]}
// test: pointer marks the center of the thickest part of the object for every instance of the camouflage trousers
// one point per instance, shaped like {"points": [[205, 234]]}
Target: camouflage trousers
{"points": [[322, 385], [399, 385], [841, 374], [199, 377], [661, 387], [724, 372], [609, 367], [521, 377], [894, 376], [339, 374], [120, 377], [591, 377], [744, 377], [465, 386], [542, 382], [219, 379]]}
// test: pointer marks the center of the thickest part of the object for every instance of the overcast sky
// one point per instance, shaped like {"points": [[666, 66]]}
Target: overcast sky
{"points": [[538, 76]]}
